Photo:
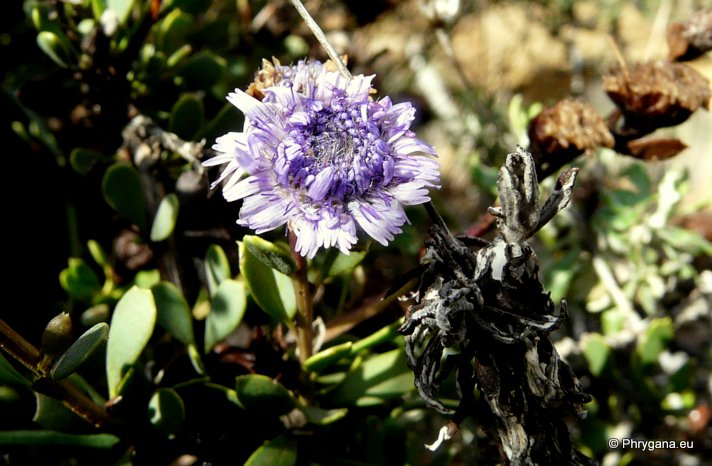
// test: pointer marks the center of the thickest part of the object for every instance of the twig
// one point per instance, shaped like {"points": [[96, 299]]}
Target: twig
{"points": [[321, 37]]}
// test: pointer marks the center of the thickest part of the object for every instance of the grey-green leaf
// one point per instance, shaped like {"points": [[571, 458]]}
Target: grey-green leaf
{"points": [[228, 307], [131, 327], [166, 217], [654, 340], [270, 254], [597, 353], [271, 290], [122, 190], [217, 267], [80, 351], [173, 312], [280, 450]]}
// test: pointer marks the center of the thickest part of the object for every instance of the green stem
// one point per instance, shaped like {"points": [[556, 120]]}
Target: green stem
{"points": [[305, 304]]}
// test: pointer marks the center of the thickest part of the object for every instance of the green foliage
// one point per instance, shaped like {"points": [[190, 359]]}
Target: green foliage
{"points": [[166, 217], [226, 312]]}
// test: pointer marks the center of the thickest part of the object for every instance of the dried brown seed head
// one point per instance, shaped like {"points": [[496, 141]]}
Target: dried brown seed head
{"points": [[656, 94], [690, 38], [568, 129]]}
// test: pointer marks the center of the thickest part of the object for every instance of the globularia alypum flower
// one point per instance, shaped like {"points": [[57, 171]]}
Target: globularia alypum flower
{"points": [[319, 154]]}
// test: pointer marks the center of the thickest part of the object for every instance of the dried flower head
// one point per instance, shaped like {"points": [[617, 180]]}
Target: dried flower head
{"points": [[657, 94], [567, 130], [692, 37], [322, 156]]}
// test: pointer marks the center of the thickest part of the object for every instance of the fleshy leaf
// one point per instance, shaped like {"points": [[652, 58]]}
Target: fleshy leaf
{"points": [[270, 254], [597, 353], [263, 395], [166, 217], [9, 375], [166, 411], [280, 450], [122, 190], [122, 8], [131, 327], [228, 307], [173, 312], [52, 437], [382, 376], [327, 357], [654, 340], [187, 117], [80, 351], [217, 267], [79, 280], [57, 47], [83, 160], [271, 290]]}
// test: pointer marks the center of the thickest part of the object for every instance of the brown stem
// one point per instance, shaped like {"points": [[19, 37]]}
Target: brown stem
{"points": [[23, 351], [305, 305]]}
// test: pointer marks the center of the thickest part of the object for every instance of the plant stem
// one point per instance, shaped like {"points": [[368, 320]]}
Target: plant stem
{"points": [[305, 306], [321, 37], [23, 351]]}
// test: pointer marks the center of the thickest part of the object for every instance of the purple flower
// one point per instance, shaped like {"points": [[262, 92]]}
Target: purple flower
{"points": [[323, 157]]}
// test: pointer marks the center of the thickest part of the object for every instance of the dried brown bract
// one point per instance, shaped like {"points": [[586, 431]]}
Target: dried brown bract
{"points": [[266, 77], [656, 94], [563, 132], [655, 148], [690, 38]]}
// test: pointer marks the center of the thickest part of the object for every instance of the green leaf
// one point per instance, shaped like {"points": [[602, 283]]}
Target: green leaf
{"points": [[217, 267], [9, 375], [328, 357], [278, 451], [58, 48], [597, 353], [203, 70], [131, 327], [263, 395], [166, 411], [52, 414], [654, 340], [79, 280], [83, 160], [166, 217], [122, 8], [51, 437], [173, 312], [98, 253], [323, 417], [270, 254], [271, 290], [333, 263], [122, 190], [147, 278], [173, 31], [380, 377], [228, 307], [685, 240], [80, 351], [187, 117], [612, 321]]}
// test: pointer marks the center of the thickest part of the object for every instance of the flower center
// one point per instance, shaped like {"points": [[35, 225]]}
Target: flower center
{"points": [[334, 152]]}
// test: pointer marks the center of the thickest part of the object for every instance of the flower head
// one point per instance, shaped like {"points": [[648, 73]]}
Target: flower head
{"points": [[323, 157]]}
